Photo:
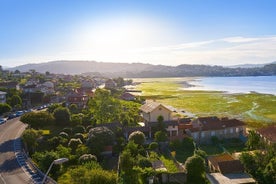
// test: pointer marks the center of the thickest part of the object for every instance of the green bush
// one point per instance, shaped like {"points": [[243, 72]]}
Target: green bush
{"points": [[160, 136], [67, 130], [137, 137], [153, 146], [37, 119], [87, 158], [79, 136], [144, 162], [64, 135], [98, 138], [78, 129]]}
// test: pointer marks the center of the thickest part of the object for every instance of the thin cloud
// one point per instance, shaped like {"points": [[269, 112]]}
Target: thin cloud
{"points": [[225, 51]]}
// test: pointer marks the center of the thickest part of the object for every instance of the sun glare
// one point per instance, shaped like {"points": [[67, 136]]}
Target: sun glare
{"points": [[117, 34], [117, 38]]}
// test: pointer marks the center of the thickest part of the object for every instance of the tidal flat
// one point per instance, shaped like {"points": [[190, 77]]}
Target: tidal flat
{"points": [[255, 109]]}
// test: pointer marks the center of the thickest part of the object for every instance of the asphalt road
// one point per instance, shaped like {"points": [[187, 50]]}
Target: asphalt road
{"points": [[10, 171]]}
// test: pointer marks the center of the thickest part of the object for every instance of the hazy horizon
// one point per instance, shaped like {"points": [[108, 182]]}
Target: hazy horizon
{"points": [[7, 67], [211, 32]]}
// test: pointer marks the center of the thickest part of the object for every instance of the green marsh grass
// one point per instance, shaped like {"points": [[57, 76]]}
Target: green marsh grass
{"points": [[254, 108]]}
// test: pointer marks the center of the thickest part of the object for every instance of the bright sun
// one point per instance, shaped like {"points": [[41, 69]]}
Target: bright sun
{"points": [[118, 39], [117, 34]]}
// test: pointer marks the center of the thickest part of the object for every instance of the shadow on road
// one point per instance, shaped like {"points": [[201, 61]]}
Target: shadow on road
{"points": [[6, 146], [9, 165]]}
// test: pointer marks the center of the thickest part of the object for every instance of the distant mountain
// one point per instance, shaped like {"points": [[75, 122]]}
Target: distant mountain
{"points": [[250, 65], [78, 67], [144, 70]]}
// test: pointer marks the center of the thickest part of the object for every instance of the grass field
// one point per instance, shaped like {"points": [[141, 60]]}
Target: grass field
{"points": [[255, 109]]}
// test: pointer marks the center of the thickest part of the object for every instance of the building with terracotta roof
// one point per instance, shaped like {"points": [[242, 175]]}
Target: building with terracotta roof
{"points": [[227, 170], [225, 164], [151, 110], [268, 134], [75, 98], [204, 128]]}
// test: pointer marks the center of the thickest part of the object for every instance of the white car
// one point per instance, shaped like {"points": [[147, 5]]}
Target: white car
{"points": [[3, 120]]}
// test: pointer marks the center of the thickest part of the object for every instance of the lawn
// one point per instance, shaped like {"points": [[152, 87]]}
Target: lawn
{"points": [[169, 164], [255, 109], [230, 145], [234, 145]]}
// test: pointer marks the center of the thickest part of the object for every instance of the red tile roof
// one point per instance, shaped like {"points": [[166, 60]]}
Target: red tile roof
{"points": [[214, 123], [226, 163], [269, 133]]}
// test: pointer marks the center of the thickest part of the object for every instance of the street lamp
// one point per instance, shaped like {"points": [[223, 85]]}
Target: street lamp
{"points": [[57, 161]]}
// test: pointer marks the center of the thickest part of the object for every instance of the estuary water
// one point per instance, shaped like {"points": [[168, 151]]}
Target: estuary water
{"points": [[258, 84]]}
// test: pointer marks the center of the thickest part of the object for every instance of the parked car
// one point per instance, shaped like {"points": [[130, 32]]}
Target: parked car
{"points": [[19, 113], [11, 116], [3, 120]]}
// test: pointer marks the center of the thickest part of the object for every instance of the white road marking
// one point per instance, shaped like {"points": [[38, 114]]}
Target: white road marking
{"points": [[2, 179]]}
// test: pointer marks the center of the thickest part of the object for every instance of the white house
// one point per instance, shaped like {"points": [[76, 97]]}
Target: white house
{"points": [[151, 110]]}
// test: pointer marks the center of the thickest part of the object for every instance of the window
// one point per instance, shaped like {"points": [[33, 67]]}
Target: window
{"points": [[202, 134], [231, 130], [237, 130], [213, 133]]}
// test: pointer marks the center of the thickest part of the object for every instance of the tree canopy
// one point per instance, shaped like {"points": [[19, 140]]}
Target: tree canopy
{"points": [[4, 107], [137, 137], [98, 138], [30, 137], [160, 136], [104, 107], [37, 119], [195, 169], [84, 175], [62, 115]]}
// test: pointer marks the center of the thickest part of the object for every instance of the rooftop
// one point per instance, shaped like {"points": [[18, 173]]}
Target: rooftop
{"points": [[269, 133], [149, 106], [218, 178], [214, 123], [226, 163]]}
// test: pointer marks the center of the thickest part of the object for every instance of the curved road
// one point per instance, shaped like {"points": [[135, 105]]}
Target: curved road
{"points": [[10, 171]]}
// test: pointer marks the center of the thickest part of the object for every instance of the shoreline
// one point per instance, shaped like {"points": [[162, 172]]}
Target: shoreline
{"points": [[178, 93]]}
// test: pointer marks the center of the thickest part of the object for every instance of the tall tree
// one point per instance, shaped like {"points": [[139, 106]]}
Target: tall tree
{"points": [[98, 138], [195, 169], [104, 107], [30, 137], [253, 141], [138, 137], [62, 115], [4, 107], [15, 101]]}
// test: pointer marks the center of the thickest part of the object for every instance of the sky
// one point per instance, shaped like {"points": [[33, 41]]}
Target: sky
{"points": [[167, 32]]}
